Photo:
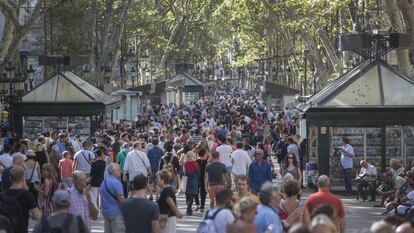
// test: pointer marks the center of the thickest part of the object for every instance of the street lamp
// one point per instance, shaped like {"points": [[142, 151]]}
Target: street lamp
{"points": [[132, 76], [11, 85], [12, 88], [30, 73]]}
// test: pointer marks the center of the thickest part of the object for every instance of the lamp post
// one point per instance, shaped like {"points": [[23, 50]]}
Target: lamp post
{"points": [[133, 71], [30, 71], [12, 88]]}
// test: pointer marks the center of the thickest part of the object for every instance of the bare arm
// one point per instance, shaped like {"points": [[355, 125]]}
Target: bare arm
{"points": [[306, 216], [74, 165], [206, 181], [300, 174], [173, 207], [93, 211], [155, 225], [35, 213]]}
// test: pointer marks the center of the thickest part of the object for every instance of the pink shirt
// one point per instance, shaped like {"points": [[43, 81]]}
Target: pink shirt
{"points": [[65, 166]]}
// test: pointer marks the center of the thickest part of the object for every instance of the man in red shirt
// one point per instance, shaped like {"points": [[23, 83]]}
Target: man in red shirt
{"points": [[324, 196]]}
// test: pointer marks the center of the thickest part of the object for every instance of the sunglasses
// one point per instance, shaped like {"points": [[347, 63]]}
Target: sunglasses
{"points": [[290, 157]]}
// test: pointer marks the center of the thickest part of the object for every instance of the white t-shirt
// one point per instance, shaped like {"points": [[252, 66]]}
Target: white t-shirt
{"points": [[136, 162], [222, 219], [84, 159], [225, 152], [6, 160], [241, 161]]}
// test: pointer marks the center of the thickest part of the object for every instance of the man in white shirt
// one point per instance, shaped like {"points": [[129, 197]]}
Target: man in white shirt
{"points": [[83, 159], [136, 163], [367, 179], [221, 214], [240, 160], [225, 152]]}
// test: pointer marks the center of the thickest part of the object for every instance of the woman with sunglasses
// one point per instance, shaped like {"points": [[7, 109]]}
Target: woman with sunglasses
{"points": [[291, 166]]}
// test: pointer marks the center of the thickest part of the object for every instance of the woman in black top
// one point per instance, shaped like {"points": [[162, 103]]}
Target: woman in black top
{"points": [[167, 203], [97, 175], [203, 155], [41, 156], [171, 163]]}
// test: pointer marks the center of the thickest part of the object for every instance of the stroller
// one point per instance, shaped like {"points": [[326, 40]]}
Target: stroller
{"points": [[311, 175]]}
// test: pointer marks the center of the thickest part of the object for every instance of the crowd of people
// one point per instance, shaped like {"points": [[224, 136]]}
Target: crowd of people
{"points": [[222, 149]]}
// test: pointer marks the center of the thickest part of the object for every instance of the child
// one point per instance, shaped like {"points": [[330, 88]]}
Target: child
{"points": [[65, 167]]}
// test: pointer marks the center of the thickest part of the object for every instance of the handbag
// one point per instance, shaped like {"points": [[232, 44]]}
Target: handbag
{"points": [[183, 183], [163, 220]]}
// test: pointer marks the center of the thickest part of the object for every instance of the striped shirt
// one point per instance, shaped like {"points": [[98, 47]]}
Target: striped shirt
{"points": [[79, 206]]}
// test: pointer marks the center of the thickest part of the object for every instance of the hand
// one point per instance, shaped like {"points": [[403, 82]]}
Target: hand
{"points": [[179, 215], [124, 178]]}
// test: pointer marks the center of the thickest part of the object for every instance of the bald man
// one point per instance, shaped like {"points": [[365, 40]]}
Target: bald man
{"points": [[366, 179], [81, 200], [18, 161], [324, 196]]}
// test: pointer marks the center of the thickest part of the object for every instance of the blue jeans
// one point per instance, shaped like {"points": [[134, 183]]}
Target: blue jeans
{"points": [[348, 179]]}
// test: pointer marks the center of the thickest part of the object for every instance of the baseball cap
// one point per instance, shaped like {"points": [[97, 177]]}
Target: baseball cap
{"points": [[61, 198]]}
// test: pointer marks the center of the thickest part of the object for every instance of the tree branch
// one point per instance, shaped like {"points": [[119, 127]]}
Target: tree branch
{"points": [[9, 12]]}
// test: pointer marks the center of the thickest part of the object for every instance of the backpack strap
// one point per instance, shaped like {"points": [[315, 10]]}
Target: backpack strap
{"points": [[89, 155], [109, 192], [214, 215], [67, 222], [45, 227]]}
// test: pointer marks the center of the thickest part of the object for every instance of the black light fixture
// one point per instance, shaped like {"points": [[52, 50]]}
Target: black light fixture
{"points": [[12, 86], [30, 71]]}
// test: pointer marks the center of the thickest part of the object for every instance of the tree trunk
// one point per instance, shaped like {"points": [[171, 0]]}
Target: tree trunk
{"points": [[14, 31], [330, 51], [321, 70], [407, 10], [394, 16], [108, 40]]}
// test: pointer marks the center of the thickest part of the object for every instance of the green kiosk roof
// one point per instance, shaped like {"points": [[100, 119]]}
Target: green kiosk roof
{"points": [[372, 84]]}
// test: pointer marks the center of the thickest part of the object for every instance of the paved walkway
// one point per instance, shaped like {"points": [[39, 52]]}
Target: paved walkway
{"points": [[359, 215]]}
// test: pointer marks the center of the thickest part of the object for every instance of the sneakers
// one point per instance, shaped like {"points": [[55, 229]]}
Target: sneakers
{"points": [[189, 212]]}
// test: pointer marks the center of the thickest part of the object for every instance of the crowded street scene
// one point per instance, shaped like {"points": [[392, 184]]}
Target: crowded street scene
{"points": [[206, 116]]}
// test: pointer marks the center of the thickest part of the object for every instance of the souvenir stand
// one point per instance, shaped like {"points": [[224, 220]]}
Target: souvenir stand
{"points": [[65, 101]]}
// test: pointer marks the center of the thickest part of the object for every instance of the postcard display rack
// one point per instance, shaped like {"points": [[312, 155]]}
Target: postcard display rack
{"points": [[32, 125], [366, 143]]}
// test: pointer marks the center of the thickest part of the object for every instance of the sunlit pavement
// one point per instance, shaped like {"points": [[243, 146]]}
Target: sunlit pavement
{"points": [[359, 215]]}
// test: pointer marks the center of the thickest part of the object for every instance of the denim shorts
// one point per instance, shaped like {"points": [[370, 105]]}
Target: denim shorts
{"points": [[229, 169]]}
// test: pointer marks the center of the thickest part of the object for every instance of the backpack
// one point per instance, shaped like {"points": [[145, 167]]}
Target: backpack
{"points": [[207, 225], [11, 209], [46, 228], [169, 166]]}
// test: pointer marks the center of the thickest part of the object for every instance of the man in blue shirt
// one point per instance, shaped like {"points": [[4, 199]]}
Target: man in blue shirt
{"points": [[267, 218], [154, 156], [259, 172], [112, 194], [347, 153]]}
